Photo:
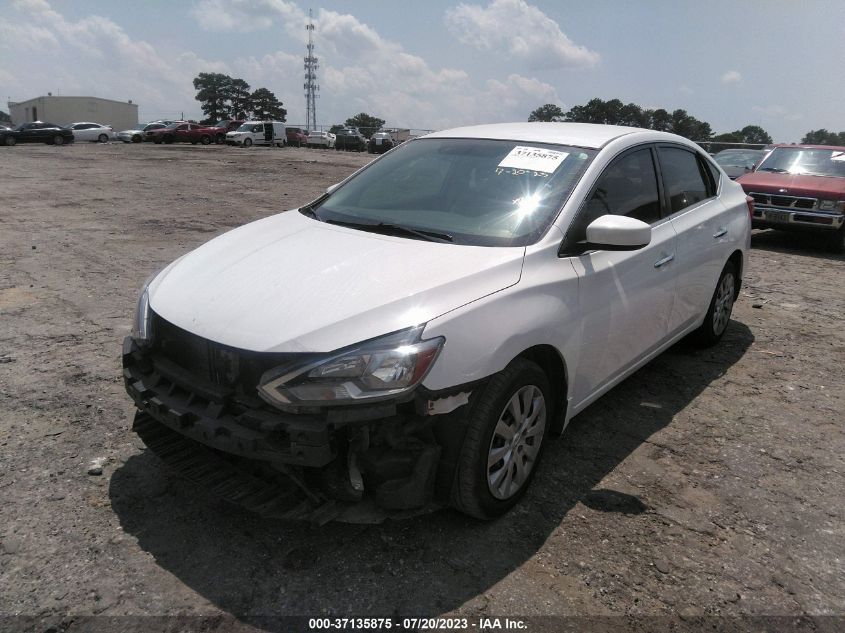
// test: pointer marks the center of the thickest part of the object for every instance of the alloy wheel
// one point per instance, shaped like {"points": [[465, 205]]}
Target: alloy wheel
{"points": [[516, 440], [724, 304]]}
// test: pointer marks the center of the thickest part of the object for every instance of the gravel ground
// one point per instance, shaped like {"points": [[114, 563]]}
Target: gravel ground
{"points": [[710, 483]]}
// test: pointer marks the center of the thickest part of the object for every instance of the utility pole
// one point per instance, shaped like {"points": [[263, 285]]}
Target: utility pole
{"points": [[311, 87]]}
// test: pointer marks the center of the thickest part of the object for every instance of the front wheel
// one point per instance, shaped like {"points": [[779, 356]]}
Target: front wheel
{"points": [[719, 312], [11, 140], [503, 442], [58, 140], [247, 142]]}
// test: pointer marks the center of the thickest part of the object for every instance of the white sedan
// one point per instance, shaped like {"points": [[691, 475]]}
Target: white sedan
{"points": [[415, 334], [325, 140], [86, 131]]}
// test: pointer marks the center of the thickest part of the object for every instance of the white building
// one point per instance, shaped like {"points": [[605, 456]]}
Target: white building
{"points": [[64, 110]]}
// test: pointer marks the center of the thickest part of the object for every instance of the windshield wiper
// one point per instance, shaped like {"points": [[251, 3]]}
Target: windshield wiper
{"points": [[395, 229], [774, 169], [309, 211]]}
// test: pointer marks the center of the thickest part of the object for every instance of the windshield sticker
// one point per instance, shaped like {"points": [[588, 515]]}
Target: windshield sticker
{"points": [[838, 156], [533, 159]]}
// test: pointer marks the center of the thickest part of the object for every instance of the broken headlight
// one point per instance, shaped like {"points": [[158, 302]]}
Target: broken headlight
{"points": [[381, 368]]}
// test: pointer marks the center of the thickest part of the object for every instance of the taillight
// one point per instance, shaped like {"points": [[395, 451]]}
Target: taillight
{"points": [[750, 202]]}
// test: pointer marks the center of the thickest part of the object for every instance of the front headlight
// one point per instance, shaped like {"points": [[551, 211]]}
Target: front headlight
{"points": [[142, 325], [377, 369], [831, 205]]}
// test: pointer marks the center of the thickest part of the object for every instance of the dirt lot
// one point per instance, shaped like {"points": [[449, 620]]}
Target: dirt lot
{"points": [[708, 484]]}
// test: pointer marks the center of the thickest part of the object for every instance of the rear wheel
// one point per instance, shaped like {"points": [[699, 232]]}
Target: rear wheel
{"points": [[719, 312], [58, 140], [103, 138], [503, 442]]}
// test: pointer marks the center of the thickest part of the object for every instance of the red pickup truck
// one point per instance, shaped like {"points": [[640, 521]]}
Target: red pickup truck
{"points": [[800, 188], [184, 132]]}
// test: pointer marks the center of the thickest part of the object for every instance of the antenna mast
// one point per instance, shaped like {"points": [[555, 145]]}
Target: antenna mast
{"points": [[311, 87]]}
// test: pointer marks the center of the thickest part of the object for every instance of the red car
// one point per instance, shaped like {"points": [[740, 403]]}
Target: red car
{"points": [[800, 188], [297, 137], [184, 132], [225, 125]]}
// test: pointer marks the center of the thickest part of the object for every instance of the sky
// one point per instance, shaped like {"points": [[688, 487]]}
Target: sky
{"points": [[436, 64]]}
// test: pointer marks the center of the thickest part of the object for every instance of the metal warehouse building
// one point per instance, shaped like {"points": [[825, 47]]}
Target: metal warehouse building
{"points": [[64, 110]]}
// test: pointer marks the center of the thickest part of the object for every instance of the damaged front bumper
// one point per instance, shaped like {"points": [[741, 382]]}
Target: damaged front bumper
{"points": [[359, 463]]}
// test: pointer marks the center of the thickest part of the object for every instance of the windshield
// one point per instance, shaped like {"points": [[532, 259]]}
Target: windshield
{"points": [[476, 191], [806, 161], [173, 126], [738, 158]]}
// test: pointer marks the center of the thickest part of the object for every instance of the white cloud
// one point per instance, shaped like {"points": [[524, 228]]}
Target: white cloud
{"points": [[360, 70], [731, 77], [246, 15], [514, 28]]}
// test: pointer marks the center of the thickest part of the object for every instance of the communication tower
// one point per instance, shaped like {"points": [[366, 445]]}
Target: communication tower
{"points": [[311, 87]]}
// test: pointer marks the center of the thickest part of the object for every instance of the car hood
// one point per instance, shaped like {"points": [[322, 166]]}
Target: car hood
{"points": [[289, 283], [794, 184]]}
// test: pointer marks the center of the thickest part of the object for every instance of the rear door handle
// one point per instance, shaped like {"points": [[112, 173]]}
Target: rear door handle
{"points": [[722, 230], [665, 260]]}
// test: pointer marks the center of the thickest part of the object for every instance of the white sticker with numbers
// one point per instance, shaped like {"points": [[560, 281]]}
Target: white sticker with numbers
{"points": [[837, 156], [533, 159]]}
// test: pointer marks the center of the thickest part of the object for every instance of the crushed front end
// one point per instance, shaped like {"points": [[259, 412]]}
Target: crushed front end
{"points": [[201, 412]]}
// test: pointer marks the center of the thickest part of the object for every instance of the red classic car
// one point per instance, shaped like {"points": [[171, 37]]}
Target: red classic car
{"points": [[800, 188]]}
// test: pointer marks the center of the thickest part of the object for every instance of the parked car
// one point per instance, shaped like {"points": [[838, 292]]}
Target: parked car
{"points": [[801, 188], [736, 162], [183, 132], [417, 332], [36, 132], [259, 133], [379, 143], [350, 139], [297, 137], [86, 131], [223, 127], [138, 133], [325, 140]]}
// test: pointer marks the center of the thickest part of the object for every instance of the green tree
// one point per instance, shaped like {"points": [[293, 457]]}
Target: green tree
{"points": [[213, 93], [689, 127], [614, 112], [658, 119], [755, 134], [368, 124], [823, 137], [240, 99], [548, 112], [265, 106]]}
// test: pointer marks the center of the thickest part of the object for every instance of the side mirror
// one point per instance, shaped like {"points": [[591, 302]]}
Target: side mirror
{"points": [[331, 188], [618, 233]]}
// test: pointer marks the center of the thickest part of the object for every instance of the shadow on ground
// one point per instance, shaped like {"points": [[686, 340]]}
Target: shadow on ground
{"points": [[809, 244], [248, 566]]}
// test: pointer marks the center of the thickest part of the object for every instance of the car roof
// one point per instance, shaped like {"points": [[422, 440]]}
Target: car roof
{"points": [[589, 135], [838, 148]]}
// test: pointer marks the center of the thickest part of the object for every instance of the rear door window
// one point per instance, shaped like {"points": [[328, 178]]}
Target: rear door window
{"points": [[685, 179]]}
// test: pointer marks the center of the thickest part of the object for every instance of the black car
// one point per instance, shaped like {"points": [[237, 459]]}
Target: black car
{"points": [[351, 139], [36, 132], [380, 142]]}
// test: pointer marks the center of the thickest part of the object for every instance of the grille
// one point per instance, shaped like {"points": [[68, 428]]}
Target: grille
{"points": [[230, 367], [785, 202]]}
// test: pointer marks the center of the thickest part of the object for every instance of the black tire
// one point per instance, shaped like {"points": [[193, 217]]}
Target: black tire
{"points": [[11, 140], [220, 139], [247, 142], [716, 320], [103, 138], [471, 490], [137, 139], [58, 140], [836, 242], [205, 140]]}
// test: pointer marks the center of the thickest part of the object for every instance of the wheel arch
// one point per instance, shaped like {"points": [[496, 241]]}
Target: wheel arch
{"points": [[553, 365], [737, 260]]}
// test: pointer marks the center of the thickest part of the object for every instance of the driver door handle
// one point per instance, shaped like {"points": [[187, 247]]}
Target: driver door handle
{"points": [[722, 230], [665, 260]]}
